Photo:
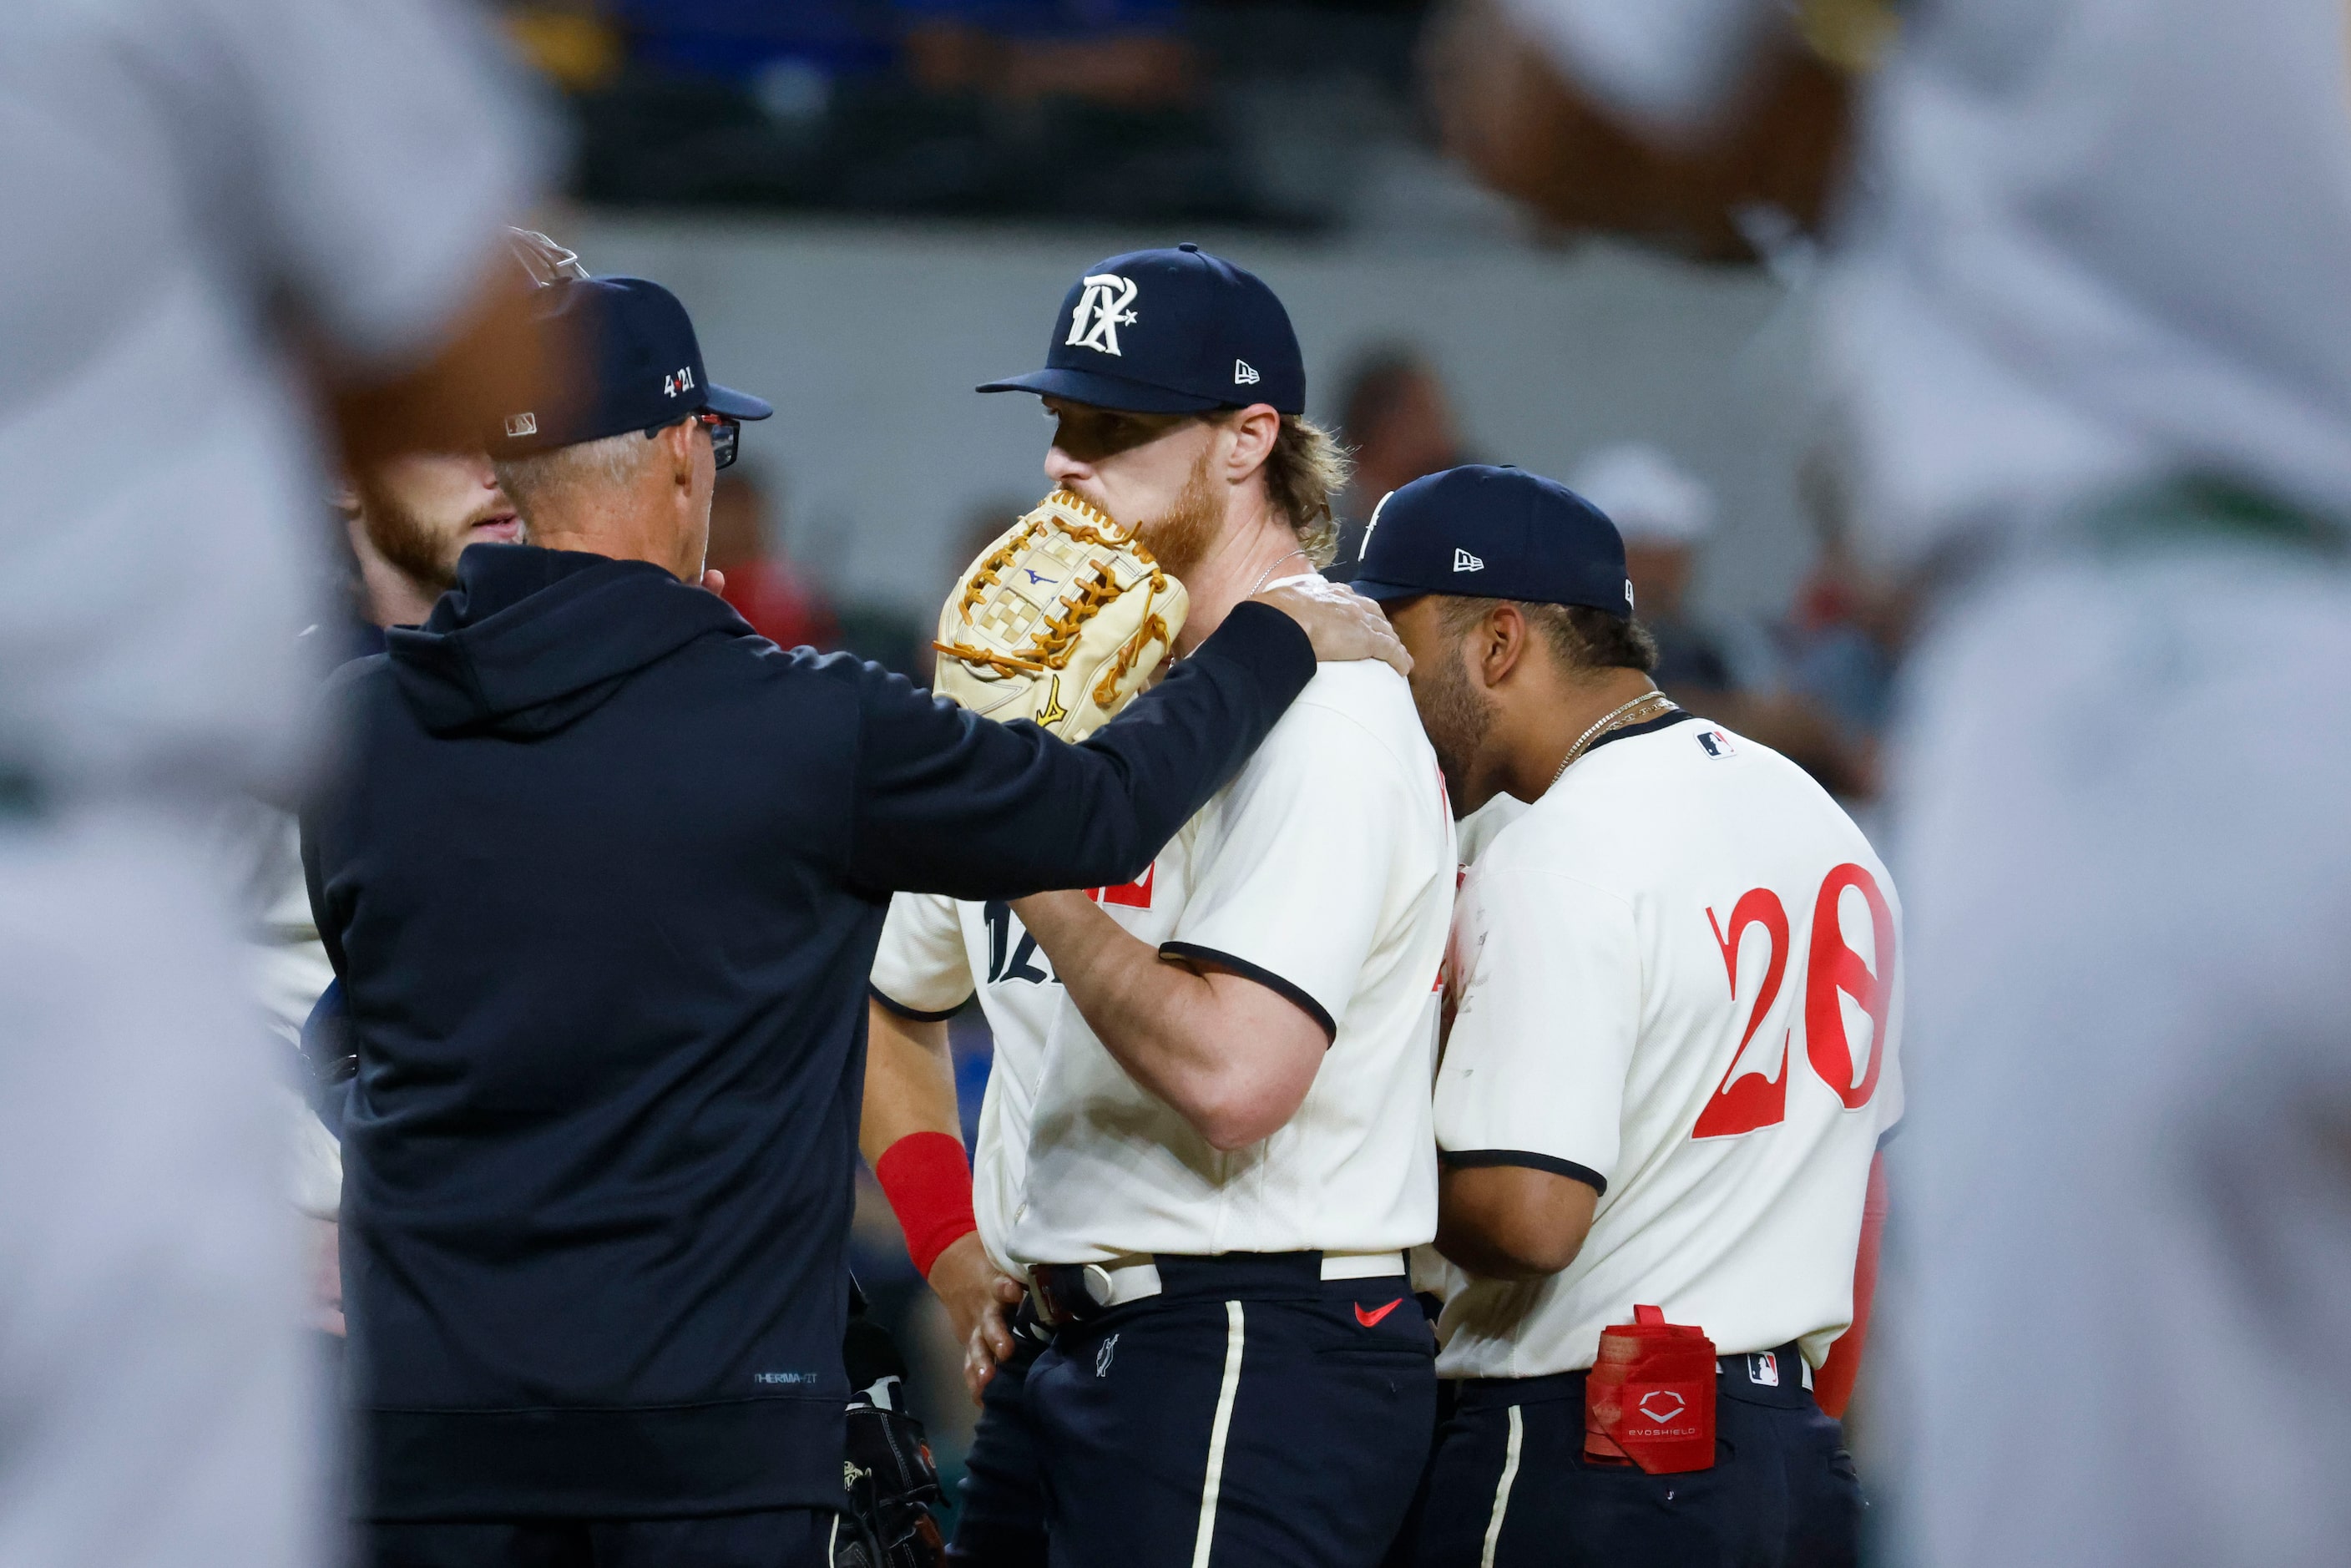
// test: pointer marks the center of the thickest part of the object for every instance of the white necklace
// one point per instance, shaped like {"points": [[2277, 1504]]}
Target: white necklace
{"points": [[1606, 721], [1173, 657], [1297, 554]]}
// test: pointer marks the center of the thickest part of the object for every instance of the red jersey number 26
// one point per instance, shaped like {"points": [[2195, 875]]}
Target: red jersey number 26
{"points": [[1746, 1100]]}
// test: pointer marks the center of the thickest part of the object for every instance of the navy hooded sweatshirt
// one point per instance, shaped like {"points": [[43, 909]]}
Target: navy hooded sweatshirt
{"points": [[603, 884]]}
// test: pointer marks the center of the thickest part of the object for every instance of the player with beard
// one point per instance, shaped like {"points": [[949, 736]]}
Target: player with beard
{"points": [[410, 521], [1674, 1047], [1209, 1143]]}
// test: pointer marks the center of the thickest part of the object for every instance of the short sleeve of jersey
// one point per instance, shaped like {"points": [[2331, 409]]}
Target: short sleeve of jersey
{"points": [[1290, 887], [374, 149], [922, 968], [1549, 1006]]}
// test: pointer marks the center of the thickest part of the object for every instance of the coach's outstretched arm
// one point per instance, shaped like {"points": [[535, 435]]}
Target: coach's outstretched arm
{"points": [[951, 803]]}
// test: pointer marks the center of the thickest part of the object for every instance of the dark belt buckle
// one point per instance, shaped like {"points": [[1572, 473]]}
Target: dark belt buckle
{"points": [[1056, 1301], [1067, 1294]]}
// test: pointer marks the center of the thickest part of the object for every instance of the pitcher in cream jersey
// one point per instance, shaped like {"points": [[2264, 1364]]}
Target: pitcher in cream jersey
{"points": [[1231, 1149]]}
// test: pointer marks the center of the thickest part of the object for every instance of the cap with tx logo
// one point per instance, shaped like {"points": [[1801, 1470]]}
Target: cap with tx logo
{"points": [[635, 361], [1493, 533], [1170, 331]]}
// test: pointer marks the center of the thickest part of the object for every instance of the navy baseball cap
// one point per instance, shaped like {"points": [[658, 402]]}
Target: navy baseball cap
{"points": [[643, 367], [1484, 532], [1170, 331]]}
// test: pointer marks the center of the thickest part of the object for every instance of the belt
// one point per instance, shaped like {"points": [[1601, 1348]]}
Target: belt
{"points": [[1066, 1293], [1780, 1375]]}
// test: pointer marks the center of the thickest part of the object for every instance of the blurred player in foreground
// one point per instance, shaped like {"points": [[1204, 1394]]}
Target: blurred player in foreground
{"points": [[1228, 1147], [221, 216], [2087, 326], [1676, 1006]]}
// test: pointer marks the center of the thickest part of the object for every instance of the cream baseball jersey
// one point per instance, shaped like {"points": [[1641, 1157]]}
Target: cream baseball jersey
{"points": [[1678, 978], [934, 952], [1325, 871]]}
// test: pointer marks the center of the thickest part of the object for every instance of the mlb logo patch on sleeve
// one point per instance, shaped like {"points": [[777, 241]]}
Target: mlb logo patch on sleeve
{"points": [[1714, 743]]}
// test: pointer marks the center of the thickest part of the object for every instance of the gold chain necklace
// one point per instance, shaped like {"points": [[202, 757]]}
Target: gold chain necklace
{"points": [[1614, 718]]}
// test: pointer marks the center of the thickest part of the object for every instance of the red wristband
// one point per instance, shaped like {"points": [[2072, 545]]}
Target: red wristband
{"points": [[927, 1180]]}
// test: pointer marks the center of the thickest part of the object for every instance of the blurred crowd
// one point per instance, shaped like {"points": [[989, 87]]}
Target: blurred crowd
{"points": [[1111, 108]]}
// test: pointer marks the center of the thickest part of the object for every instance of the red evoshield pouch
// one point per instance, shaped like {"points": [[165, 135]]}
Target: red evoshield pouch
{"points": [[1649, 1400]]}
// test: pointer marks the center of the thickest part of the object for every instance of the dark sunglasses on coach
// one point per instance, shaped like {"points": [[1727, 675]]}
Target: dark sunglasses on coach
{"points": [[724, 434]]}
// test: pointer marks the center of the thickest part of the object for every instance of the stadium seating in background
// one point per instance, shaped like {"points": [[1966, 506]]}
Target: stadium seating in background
{"points": [[1119, 110]]}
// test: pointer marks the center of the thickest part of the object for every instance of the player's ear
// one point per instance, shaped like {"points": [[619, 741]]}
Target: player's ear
{"points": [[678, 450], [1500, 640], [1253, 430]]}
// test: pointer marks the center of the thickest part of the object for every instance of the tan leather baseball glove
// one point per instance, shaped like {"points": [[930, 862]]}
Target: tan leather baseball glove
{"points": [[1062, 620]]}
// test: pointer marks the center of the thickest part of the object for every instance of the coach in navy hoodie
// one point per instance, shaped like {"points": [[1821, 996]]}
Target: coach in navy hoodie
{"points": [[603, 885]]}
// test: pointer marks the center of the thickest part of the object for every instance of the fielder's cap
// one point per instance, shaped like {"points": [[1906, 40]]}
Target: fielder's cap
{"points": [[1650, 499], [1484, 532], [643, 366], [1170, 331]]}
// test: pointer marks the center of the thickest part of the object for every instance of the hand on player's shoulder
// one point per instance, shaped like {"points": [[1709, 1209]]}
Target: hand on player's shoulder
{"points": [[1342, 624]]}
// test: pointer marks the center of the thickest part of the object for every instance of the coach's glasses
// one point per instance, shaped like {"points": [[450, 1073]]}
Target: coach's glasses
{"points": [[725, 432]]}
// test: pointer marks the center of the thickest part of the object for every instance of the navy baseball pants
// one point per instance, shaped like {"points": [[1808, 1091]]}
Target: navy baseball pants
{"points": [[1508, 1486], [1000, 1504], [1250, 1415], [775, 1538]]}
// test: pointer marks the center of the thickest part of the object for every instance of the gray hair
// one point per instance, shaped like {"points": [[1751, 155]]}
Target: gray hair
{"points": [[611, 462]]}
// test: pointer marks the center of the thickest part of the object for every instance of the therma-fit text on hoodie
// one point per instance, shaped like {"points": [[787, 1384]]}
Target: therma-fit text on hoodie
{"points": [[1325, 871], [1679, 980]]}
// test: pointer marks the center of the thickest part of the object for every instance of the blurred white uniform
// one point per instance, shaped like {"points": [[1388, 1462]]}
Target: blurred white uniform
{"points": [[183, 181], [2101, 245]]}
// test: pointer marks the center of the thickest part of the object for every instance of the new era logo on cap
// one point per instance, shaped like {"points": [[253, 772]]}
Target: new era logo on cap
{"points": [[1523, 537], [1243, 373]]}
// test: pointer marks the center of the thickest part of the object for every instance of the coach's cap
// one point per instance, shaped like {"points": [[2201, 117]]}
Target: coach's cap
{"points": [[643, 367], [1493, 533], [1170, 331]]}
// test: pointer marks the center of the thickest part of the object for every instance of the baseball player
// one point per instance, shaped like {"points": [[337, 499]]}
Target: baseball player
{"points": [[1677, 1007], [1228, 1149], [936, 953]]}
